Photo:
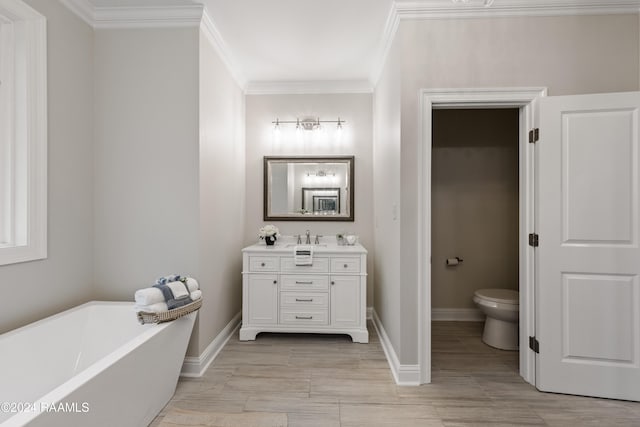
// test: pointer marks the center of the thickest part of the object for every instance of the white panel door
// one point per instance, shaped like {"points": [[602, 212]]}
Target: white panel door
{"points": [[588, 259]]}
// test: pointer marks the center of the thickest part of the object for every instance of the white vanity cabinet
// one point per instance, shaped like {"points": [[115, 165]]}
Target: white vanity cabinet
{"points": [[328, 296]]}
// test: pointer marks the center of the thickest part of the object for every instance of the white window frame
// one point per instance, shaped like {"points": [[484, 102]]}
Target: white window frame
{"points": [[23, 137]]}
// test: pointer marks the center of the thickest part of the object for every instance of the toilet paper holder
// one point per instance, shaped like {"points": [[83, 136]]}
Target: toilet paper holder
{"points": [[454, 261]]}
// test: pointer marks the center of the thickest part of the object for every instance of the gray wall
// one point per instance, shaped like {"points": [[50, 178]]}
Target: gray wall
{"points": [[222, 183], [567, 54], [356, 140], [474, 207], [36, 289], [146, 158], [386, 194]]}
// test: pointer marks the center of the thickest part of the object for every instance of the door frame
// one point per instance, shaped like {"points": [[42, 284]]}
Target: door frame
{"points": [[525, 99]]}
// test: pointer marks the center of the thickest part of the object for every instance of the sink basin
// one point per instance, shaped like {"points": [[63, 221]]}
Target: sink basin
{"points": [[291, 245]]}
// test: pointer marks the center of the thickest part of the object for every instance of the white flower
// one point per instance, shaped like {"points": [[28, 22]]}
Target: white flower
{"points": [[268, 230]]}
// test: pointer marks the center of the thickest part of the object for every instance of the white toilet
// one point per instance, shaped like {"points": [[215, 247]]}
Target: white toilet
{"points": [[502, 307]]}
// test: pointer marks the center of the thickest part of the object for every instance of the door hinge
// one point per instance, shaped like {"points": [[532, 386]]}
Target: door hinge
{"points": [[534, 240], [534, 344], [534, 135]]}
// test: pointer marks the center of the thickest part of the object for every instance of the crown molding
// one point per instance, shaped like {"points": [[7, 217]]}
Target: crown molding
{"points": [[443, 9], [148, 17], [283, 87], [388, 34], [446, 9], [12, 11], [82, 8], [210, 31], [136, 16]]}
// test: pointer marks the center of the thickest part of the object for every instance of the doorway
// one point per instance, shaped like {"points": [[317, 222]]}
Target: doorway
{"points": [[524, 100], [475, 236], [586, 197]]}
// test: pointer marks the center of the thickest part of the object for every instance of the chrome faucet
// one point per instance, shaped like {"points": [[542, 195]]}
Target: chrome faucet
{"points": [[299, 240], [318, 236], [308, 234]]}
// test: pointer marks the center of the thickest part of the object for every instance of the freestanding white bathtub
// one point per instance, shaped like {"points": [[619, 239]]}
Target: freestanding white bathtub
{"points": [[93, 365]]}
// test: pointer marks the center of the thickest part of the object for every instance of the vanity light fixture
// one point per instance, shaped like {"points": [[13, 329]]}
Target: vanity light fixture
{"points": [[308, 123], [321, 173]]}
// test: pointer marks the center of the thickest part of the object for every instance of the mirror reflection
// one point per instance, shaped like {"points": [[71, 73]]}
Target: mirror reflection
{"points": [[308, 188]]}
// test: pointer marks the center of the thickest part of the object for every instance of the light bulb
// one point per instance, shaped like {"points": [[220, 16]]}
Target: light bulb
{"points": [[276, 132]]}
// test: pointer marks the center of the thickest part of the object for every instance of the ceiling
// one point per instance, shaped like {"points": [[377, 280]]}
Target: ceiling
{"points": [[301, 39]]}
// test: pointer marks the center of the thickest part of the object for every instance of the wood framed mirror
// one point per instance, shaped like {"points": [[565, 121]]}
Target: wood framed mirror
{"points": [[308, 188]]}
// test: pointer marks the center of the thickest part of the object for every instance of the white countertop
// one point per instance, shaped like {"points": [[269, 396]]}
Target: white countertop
{"points": [[286, 245]]}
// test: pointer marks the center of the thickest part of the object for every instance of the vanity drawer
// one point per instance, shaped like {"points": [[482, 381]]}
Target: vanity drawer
{"points": [[345, 265], [320, 265], [304, 300], [264, 263], [304, 317], [304, 283]]}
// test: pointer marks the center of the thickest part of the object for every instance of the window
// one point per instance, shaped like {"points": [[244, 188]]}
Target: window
{"points": [[6, 100], [23, 134]]}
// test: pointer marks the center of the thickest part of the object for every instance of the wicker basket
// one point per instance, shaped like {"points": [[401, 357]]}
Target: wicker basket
{"points": [[167, 316]]}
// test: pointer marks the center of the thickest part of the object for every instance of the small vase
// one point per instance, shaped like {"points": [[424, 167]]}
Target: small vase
{"points": [[270, 240]]}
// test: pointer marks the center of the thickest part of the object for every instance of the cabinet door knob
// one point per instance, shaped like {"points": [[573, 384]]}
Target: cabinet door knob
{"points": [[275, 281], [333, 282], [262, 264], [345, 266]]}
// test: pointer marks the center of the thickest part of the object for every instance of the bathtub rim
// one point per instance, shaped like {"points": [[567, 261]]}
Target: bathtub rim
{"points": [[64, 313], [59, 393]]}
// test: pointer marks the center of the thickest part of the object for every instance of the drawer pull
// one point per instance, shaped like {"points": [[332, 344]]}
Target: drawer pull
{"points": [[304, 317], [275, 281], [304, 300], [262, 264], [333, 282], [346, 266], [298, 282]]}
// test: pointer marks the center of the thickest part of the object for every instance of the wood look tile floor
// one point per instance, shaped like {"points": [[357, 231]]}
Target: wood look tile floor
{"points": [[326, 380]]}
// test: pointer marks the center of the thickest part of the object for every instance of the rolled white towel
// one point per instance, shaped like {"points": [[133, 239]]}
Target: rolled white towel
{"points": [[153, 308], [196, 295], [148, 296], [192, 284], [178, 289]]}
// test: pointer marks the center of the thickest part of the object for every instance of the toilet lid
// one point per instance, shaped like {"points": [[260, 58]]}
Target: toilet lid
{"points": [[505, 296]]}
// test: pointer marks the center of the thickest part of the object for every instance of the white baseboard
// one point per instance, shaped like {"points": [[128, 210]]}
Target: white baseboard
{"points": [[408, 375], [196, 366], [457, 314]]}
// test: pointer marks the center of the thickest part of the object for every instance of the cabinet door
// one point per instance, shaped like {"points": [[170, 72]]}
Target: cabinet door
{"points": [[263, 299], [345, 301]]}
